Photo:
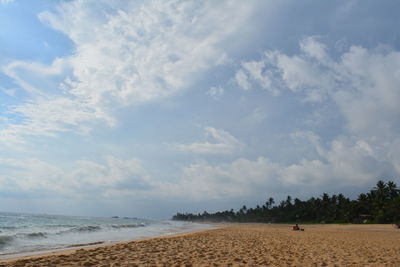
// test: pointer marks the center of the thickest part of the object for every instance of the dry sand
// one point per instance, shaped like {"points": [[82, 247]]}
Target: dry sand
{"points": [[242, 245]]}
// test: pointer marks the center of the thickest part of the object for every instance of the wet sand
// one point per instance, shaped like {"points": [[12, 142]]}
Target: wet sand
{"points": [[242, 245]]}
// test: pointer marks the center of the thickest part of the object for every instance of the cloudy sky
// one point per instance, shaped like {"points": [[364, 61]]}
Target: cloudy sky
{"points": [[147, 108]]}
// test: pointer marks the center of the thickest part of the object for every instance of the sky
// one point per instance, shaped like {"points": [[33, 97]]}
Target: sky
{"points": [[148, 108]]}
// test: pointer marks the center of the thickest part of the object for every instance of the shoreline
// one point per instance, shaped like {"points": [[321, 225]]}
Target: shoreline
{"points": [[12, 256], [239, 244]]}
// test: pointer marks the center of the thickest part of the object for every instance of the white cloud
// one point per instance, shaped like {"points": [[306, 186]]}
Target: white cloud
{"points": [[35, 78], [299, 73], [8, 91], [237, 179], [30, 175], [6, 1], [362, 83], [114, 175], [370, 105], [124, 54], [50, 107], [312, 47], [148, 52], [243, 80], [342, 165], [255, 69], [47, 117], [311, 138], [224, 143], [253, 72], [215, 92], [51, 117]]}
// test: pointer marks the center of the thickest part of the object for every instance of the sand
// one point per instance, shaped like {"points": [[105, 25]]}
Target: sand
{"points": [[242, 245]]}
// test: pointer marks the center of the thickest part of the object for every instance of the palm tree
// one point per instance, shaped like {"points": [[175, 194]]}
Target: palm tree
{"points": [[288, 202], [392, 189], [269, 203]]}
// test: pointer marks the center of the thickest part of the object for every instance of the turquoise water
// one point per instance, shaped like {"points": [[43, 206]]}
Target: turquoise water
{"points": [[34, 233]]}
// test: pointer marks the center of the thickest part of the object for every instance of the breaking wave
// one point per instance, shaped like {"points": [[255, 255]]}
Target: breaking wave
{"points": [[36, 235], [6, 240], [130, 225], [85, 228]]}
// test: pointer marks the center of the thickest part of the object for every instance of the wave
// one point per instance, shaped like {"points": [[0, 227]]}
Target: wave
{"points": [[94, 228], [5, 240], [85, 228], [15, 236], [9, 227], [77, 229], [50, 226], [85, 244], [131, 225], [36, 235]]}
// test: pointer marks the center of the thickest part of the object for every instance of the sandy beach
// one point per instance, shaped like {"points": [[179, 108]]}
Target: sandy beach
{"points": [[241, 245]]}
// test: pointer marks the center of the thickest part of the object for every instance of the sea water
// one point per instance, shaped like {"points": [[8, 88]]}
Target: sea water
{"points": [[23, 234]]}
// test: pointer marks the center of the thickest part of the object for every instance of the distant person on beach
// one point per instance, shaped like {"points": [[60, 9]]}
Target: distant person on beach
{"points": [[297, 228]]}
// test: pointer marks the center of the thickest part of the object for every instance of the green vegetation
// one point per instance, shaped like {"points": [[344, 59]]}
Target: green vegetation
{"points": [[380, 205]]}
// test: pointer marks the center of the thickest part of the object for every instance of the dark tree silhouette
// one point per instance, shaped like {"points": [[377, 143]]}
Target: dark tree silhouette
{"points": [[379, 205]]}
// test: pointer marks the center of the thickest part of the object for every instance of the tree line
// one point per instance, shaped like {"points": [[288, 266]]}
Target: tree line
{"points": [[380, 205]]}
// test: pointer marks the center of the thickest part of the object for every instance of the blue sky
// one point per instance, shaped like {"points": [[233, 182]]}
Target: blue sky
{"points": [[147, 108]]}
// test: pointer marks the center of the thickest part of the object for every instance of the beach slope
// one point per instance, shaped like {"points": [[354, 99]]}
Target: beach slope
{"points": [[242, 245]]}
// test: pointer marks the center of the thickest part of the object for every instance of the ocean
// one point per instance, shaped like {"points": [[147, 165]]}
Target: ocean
{"points": [[25, 234]]}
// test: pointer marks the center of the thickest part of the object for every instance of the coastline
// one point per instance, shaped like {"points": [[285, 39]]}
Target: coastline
{"points": [[71, 250], [100, 243], [240, 244], [39, 234]]}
